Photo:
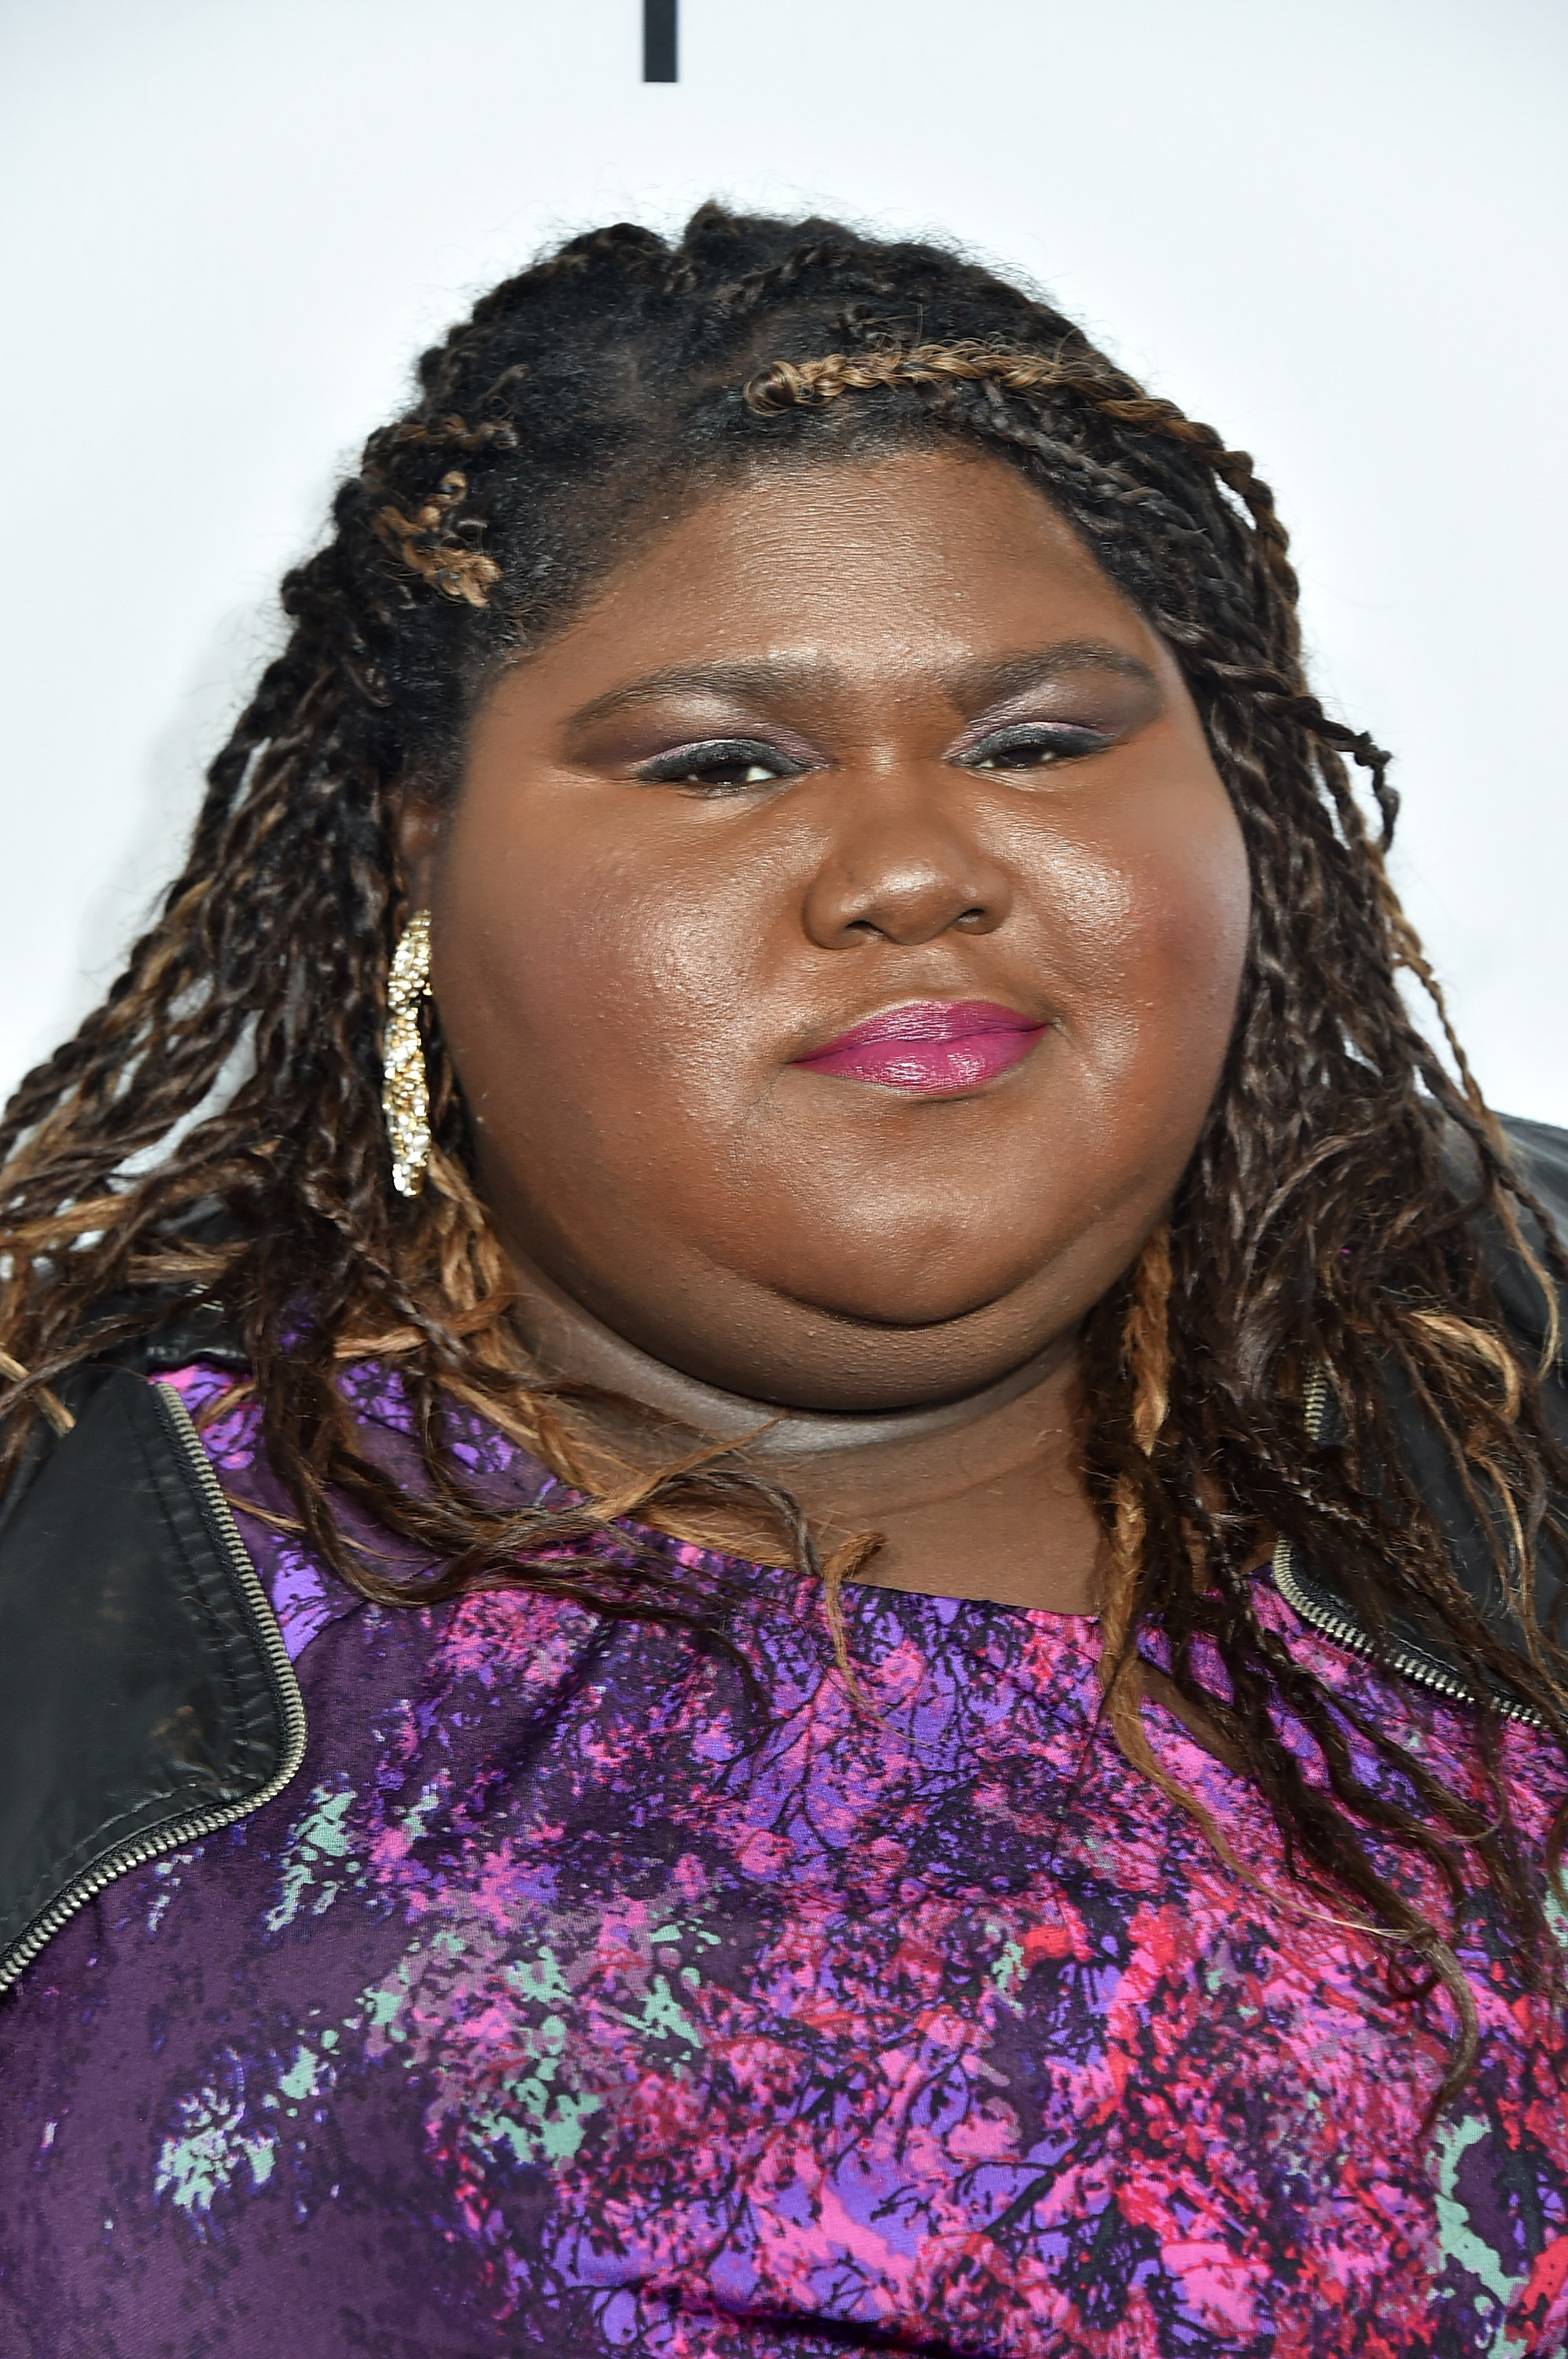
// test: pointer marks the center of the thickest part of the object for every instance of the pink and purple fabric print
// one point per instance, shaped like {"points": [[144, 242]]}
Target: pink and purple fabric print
{"points": [[578, 1999]]}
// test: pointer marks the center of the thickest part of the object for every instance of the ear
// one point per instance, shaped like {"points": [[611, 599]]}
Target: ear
{"points": [[419, 843]]}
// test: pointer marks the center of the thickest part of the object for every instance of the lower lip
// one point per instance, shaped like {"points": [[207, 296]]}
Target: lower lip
{"points": [[929, 1068]]}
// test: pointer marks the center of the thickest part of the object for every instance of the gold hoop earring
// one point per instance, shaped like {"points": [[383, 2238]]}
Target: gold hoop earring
{"points": [[405, 1091]]}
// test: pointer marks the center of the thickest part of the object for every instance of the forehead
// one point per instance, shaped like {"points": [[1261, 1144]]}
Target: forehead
{"points": [[917, 561]]}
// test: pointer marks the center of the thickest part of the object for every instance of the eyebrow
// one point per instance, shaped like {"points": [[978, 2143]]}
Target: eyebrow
{"points": [[969, 686], [759, 683], [972, 687]]}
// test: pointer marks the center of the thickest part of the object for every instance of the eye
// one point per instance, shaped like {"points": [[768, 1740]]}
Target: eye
{"points": [[1031, 745], [718, 765]]}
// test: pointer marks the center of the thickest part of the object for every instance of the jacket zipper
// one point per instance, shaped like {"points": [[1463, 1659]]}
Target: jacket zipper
{"points": [[220, 1522], [1346, 1632]]}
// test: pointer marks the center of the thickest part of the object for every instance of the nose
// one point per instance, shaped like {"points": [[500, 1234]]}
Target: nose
{"points": [[902, 867]]}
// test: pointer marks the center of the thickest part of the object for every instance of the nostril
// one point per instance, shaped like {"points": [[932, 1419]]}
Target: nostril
{"points": [[899, 892]]}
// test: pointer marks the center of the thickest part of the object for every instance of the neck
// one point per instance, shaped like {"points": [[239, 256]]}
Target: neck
{"points": [[978, 1496], [573, 1346]]}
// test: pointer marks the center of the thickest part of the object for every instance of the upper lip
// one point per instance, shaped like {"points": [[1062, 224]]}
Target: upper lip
{"points": [[930, 1019]]}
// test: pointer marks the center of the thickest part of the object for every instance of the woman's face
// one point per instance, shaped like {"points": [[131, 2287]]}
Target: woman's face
{"points": [[876, 745]]}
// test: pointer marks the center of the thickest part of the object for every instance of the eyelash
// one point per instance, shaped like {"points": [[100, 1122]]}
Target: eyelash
{"points": [[686, 766], [693, 766], [1057, 741]]}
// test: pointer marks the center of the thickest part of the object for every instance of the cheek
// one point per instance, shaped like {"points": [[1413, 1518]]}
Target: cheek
{"points": [[1193, 923], [585, 985], [1152, 938]]}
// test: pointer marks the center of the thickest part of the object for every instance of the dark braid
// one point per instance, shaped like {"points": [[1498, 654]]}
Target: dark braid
{"points": [[1328, 1217]]}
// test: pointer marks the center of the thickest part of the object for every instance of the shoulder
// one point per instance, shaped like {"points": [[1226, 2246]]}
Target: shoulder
{"points": [[1542, 1150], [1540, 1158], [145, 1697]]}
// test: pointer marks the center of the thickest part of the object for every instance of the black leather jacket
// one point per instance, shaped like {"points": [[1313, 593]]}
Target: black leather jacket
{"points": [[145, 1697]]}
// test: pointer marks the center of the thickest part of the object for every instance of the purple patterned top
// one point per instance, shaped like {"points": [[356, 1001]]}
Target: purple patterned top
{"points": [[566, 2004]]}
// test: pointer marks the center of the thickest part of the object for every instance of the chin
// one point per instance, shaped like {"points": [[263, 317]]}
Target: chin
{"points": [[922, 1302], [904, 1348], [904, 1281]]}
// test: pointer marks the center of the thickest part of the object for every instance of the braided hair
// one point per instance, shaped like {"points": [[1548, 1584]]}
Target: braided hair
{"points": [[215, 1124]]}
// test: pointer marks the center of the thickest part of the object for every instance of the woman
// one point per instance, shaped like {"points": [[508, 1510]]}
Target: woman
{"points": [[831, 1624]]}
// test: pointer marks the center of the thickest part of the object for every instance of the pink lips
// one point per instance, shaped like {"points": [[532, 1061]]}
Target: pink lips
{"points": [[936, 1046]]}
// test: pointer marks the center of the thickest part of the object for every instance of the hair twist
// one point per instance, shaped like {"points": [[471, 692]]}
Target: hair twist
{"points": [[215, 1124]]}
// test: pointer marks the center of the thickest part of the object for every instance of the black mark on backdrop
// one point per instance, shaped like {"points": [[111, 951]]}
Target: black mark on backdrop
{"points": [[659, 59]]}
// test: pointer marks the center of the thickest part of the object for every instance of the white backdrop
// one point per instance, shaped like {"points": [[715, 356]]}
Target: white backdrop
{"points": [[1333, 227]]}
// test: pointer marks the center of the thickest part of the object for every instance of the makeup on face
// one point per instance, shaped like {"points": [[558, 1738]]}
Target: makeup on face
{"points": [[1019, 712], [768, 877], [933, 1047]]}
